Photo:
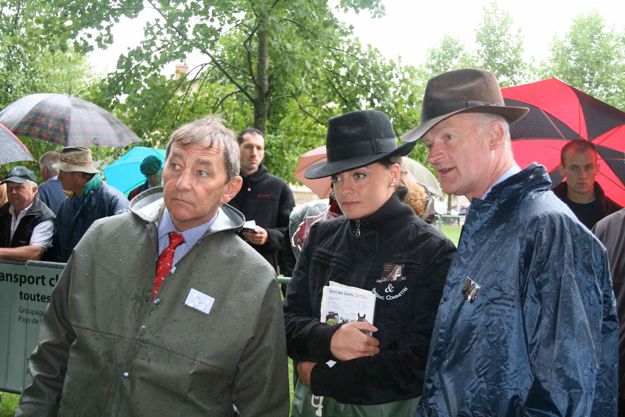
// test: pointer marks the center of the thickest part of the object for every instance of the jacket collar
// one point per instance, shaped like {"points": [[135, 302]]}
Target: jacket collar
{"points": [[149, 204], [531, 178], [257, 176], [561, 190], [391, 212]]}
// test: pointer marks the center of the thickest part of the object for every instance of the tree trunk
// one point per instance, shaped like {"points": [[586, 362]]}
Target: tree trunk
{"points": [[261, 102]]}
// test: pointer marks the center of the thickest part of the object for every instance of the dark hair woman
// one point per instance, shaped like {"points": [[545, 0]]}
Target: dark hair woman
{"points": [[379, 374]]}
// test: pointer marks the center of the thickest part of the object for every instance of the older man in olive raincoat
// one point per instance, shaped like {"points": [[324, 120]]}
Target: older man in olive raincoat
{"points": [[199, 334]]}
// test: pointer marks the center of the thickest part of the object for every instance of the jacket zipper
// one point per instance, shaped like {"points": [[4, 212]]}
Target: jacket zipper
{"points": [[357, 231]]}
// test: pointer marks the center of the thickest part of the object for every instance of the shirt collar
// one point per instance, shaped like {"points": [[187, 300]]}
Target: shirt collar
{"points": [[22, 213], [512, 171], [191, 236], [52, 178]]}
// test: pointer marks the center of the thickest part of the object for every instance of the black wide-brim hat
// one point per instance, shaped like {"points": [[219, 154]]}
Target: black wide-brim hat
{"points": [[355, 140], [462, 91]]}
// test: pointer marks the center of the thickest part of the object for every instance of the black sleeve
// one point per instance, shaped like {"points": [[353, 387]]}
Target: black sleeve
{"points": [[394, 374], [308, 339], [276, 239]]}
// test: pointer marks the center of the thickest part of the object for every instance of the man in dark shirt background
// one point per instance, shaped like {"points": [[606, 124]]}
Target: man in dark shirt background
{"points": [[580, 192], [264, 198]]}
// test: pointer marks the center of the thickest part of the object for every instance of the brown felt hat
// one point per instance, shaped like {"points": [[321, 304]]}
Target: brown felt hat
{"points": [[462, 91], [76, 159]]}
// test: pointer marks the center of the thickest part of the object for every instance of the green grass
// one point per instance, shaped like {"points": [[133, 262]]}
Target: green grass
{"points": [[8, 404], [452, 232], [9, 401]]}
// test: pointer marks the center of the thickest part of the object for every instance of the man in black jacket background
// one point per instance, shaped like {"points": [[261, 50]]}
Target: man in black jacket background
{"points": [[580, 191], [264, 198]]}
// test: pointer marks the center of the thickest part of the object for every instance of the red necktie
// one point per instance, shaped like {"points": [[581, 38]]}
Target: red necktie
{"points": [[165, 259]]}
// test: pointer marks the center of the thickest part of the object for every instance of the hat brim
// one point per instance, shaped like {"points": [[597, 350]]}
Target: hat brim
{"points": [[510, 113], [325, 169], [64, 166], [17, 180]]}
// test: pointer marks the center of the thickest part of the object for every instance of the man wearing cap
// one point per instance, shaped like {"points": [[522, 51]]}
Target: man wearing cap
{"points": [[151, 168], [26, 223], [527, 322], [89, 200], [51, 191]]}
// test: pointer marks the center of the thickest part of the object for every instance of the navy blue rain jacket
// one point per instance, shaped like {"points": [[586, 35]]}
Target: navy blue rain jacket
{"points": [[72, 221], [541, 335]]}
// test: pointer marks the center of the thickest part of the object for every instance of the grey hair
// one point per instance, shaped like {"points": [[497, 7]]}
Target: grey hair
{"points": [[48, 159], [486, 118], [209, 131], [32, 183]]}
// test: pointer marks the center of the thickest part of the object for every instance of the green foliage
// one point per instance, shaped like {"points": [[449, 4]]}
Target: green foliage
{"points": [[499, 48], [450, 54], [283, 67], [32, 60], [590, 57]]}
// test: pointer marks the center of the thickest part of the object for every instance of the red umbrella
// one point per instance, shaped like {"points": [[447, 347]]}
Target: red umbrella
{"points": [[560, 113], [321, 186]]}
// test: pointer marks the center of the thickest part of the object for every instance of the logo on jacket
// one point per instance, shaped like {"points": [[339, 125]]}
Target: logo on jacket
{"points": [[392, 272], [469, 289], [263, 195]]}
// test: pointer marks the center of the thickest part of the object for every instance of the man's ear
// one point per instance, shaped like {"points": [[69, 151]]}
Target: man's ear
{"points": [[232, 189], [561, 171], [496, 134]]}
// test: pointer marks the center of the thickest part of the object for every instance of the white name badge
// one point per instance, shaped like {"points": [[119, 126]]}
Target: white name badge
{"points": [[200, 302]]}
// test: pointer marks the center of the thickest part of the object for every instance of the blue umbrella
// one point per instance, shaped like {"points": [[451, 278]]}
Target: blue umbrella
{"points": [[125, 173]]}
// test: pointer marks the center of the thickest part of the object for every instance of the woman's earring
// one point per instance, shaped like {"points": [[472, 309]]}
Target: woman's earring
{"points": [[392, 184]]}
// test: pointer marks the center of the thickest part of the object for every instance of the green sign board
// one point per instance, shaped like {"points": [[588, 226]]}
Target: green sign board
{"points": [[25, 290]]}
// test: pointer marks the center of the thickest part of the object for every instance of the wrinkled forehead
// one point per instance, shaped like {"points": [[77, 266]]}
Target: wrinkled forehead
{"points": [[207, 146]]}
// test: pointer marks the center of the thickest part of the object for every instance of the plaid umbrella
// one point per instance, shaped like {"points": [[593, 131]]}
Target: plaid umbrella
{"points": [[66, 120], [13, 149]]}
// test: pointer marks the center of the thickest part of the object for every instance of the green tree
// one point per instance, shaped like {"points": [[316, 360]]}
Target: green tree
{"points": [[34, 61], [451, 53], [499, 48], [590, 57], [283, 67]]}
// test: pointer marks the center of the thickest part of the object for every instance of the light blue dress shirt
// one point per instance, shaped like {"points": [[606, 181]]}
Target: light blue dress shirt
{"points": [[191, 236]]}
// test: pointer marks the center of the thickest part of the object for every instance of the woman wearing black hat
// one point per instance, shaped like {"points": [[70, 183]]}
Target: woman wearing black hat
{"points": [[378, 234]]}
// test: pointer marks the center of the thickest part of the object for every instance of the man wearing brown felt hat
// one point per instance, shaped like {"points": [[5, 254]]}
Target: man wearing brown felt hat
{"points": [[527, 323]]}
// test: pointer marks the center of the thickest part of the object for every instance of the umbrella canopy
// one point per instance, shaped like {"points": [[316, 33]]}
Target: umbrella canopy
{"points": [[560, 113], [66, 120], [423, 176], [322, 186], [125, 173], [13, 149]]}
